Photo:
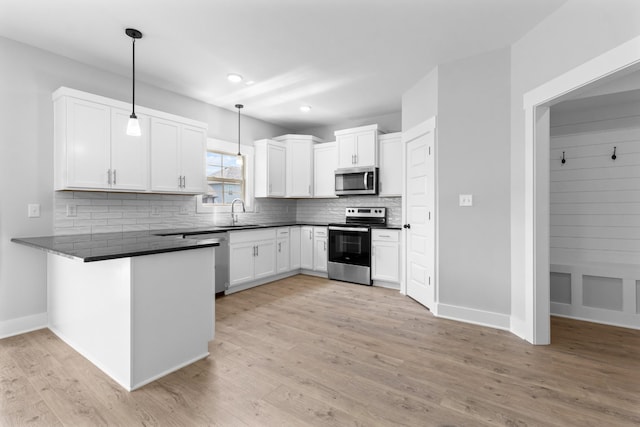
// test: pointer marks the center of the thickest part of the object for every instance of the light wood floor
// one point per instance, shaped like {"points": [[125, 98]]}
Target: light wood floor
{"points": [[311, 352]]}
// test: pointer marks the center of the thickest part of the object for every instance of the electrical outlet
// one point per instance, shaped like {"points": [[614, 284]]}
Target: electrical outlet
{"points": [[72, 210], [183, 210], [155, 210], [33, 210], [466, 200]]}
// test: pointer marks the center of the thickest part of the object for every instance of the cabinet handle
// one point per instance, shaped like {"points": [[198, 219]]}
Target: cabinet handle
{"points": [[254, 251], [180, 181], [114, 176], [184, 181], [384, 235], [325, 246], [109, 176], [257, 251], [356, 157]]}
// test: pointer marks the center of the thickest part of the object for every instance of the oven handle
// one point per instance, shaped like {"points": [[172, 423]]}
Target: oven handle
{"points": [[340, 228]]}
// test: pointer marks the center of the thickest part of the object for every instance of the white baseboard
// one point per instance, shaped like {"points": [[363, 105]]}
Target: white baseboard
{"points": [[596, 315], [388, 285], [263, 281], [476, 317], [519, 327], [21, 325]]}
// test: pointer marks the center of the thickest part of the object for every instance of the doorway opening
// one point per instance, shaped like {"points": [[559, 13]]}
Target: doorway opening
{"points": [[612, 65]]}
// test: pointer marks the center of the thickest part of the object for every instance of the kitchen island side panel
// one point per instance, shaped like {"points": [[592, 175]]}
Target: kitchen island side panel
{"points": [[172, 311], [89, 308]]}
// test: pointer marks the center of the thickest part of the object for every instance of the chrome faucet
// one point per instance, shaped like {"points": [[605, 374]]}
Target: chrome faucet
{"points": [[233, 216]]}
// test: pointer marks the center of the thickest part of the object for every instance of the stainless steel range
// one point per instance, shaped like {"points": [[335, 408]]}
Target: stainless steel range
{"points": [[350, 244]]}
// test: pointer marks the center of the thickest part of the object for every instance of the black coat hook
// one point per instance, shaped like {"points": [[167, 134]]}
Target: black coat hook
{"points": [[563, 159], [613, 157]]}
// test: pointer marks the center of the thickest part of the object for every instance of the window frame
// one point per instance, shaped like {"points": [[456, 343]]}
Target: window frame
{"points": [[223, 180], [248, 154]]}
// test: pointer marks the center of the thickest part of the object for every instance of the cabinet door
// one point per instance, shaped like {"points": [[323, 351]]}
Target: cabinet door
{"points": [[192, 154], [320, 254], [306, 248], [294, 247], [282, 248], [365, 143], [165, 155], [385, 261], [87, 144], [241, 260], [346, 151], [299, 169], [276, 173], [390, 178], [129, 154], [325, 162], [265, 259]]}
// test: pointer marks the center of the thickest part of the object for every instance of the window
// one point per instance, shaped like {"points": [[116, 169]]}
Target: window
{"points": [[225, 178]]}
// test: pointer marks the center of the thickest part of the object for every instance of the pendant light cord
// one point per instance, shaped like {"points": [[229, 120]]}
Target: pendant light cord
{"points": [[239, 132], [133, 107]]}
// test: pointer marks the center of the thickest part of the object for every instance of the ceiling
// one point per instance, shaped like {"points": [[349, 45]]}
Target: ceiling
{"points": [[348, 59]]}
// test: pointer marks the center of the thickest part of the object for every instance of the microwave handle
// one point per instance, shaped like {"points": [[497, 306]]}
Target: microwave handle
{"points": [[365, 180]]}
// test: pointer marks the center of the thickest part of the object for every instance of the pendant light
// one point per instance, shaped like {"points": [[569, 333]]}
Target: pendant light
{"points": [[239, 107], [133, 127]]}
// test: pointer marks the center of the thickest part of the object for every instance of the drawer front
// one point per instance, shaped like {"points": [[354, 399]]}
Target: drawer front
{"points": [[320, 232], [245, 236], [386, 235], [282, 232]]}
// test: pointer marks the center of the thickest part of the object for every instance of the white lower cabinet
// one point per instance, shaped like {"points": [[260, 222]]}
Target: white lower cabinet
{"points": [[320, 236], [306, 247], [385, 256], [283, 260], [294, 247], [252, 255]]}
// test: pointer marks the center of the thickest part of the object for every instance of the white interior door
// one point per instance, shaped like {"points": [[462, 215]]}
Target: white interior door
{"points": [[419, 214]]}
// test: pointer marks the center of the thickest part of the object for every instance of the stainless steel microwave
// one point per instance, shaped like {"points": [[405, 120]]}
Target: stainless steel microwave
{"points": [[363, 180]]}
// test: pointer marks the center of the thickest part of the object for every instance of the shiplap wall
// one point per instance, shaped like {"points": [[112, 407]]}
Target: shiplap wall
{"points": [[595, 214], [594, 200]]}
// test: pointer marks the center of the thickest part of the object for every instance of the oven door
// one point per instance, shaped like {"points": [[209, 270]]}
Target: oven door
{"points": [[350, 245]]}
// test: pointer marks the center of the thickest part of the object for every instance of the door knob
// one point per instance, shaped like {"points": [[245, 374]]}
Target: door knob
{"points": [[406, 226]]}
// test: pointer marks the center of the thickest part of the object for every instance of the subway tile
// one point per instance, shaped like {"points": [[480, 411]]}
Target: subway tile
{"points": [[120, 221], [106, 228], [106, 215]]}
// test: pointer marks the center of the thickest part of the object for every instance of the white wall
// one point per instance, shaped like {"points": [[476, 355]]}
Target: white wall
{"points": [[421, 101], [28, 76], [473, 158], [577, 32]]}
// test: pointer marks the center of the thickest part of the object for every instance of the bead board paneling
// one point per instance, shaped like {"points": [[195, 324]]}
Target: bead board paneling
{"points": [[105, 212], [332, 210], [595, 200]]}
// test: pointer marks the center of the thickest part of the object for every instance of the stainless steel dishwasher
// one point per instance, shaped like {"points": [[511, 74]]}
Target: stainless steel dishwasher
{"points": [[222, 258]]}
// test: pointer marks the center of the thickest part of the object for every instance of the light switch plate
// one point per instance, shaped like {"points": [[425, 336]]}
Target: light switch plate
{"points": [[466, 200], [33, 210]]}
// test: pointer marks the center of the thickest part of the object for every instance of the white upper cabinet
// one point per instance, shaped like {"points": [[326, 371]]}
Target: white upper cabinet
{"points": [[93, 152], [177, 157], [299, 169], [357, 147], [325, 162], [390, 177], [129, 154], [270, 168]]}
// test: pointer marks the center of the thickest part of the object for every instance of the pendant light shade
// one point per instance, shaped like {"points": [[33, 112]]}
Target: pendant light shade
{"points": [[133, 126], [239, 107]]}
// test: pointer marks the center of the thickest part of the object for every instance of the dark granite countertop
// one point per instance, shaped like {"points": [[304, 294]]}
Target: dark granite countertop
{"points": [[104, 246]]}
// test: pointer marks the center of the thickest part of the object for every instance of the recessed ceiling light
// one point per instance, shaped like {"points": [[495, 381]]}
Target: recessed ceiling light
{"points": [[305, 108], [249, 82], [234, 78]]}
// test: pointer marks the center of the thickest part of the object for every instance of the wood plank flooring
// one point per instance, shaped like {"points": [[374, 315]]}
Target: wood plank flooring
{"points": [[306, 351]]}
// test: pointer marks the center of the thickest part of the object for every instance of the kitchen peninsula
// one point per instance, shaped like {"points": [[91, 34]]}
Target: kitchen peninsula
{"points": [[137, 305]]}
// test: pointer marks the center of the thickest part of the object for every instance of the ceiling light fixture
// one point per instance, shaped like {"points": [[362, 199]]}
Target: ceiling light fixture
{"points": [[305, 108], [239, 107], [234, 78], [133, 126]]}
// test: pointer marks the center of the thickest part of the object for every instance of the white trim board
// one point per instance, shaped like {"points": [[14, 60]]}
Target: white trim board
{"points": [[22, 325], [476, 317], [535, 274]]}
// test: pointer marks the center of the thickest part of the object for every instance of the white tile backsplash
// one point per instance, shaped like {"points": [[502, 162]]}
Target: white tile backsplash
{"points": [[100, 212]]}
